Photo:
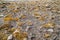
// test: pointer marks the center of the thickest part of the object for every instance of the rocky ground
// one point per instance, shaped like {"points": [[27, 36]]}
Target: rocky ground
{"points": [[30, 20]]}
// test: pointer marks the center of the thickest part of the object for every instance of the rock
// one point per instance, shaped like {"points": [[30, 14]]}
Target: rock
{"points": [[9, 37], [50, 30], [25, 39], [1, 15]]}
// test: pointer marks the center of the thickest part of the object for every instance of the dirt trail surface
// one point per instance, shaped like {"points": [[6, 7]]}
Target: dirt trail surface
{"points": [[30, 20]]}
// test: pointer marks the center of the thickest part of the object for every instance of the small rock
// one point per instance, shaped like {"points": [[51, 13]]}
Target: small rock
{"points": [[25, 39], [50, 30], [58, 12], [47, 6], [15, 31], [9, 37], [1, 15]]}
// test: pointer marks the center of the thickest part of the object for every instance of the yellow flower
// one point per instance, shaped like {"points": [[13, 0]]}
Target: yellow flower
{"points": [[11, 30], [29, 22], [23, 16], [8, 19], [49, 24], [19, 35], [11, 6], [25, 34], [15, 10], [16, 19], [41, 18], [20, 23], [36, 14], [46, 35]]}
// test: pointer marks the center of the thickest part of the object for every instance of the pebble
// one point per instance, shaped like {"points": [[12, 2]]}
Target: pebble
{"points": [[47, 6], [1, 15], [50, 30], [25, 39], [27, 28], [15, 31], [9, 37]]}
